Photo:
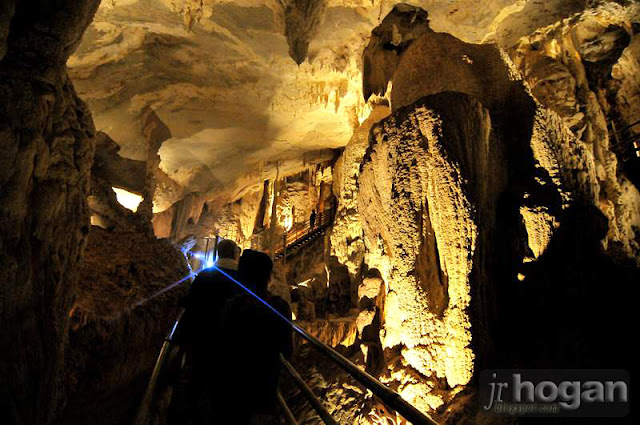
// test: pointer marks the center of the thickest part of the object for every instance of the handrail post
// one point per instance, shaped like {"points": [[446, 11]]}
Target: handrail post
{"points": [[285, 408], [388, 396], [308, 393], [284, 250], [142, 417]]}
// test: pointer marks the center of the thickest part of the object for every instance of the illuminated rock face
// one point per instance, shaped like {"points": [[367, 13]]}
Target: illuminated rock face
{"points": [[417, 205], [223, 82], [464, 186], [401, 27], [241, 83], [346, 234], [110, 170], [580, 69], [46, 133]]}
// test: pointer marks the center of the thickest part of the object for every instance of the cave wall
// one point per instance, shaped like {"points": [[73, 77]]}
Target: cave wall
{"points": [[127, 300], [408, 193], [110, 170], [257, 208], [346, 233], [580, 68], [47, 149], [127, 296], [471, 190]]}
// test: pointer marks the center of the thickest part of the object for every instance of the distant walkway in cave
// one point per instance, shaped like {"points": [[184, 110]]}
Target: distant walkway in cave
{"points": [[302, 234], [625, 142]]}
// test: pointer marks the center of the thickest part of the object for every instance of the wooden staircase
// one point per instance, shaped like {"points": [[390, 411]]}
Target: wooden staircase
{"points": [[302, 234]]}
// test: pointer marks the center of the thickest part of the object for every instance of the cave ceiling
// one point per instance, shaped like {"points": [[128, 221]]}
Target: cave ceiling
{"points": [[223, 75]]}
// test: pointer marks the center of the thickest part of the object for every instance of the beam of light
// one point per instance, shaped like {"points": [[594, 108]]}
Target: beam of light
{"points": [[199, 255], [207, 259], [254, 295], [127, 199], [249, 291], [209, 263], [166, 288]]}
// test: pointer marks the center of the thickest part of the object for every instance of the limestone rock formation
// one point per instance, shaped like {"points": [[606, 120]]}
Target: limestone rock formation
{"points": [[346, 233], [333, 332], [110, 170], [126, 301], [627, 98], [301, 19], [413, 201], [403, 25], [570, 69], [46, 133], [523, 18], [155, 133], [438, 174], [220, 74], [225, 86], [371, 301]]}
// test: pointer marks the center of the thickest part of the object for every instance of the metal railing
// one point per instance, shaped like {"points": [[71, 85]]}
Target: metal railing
{"points": [[627, 143], [285, 409], [142, 417], [389, 397], [308, 393], [303, 230]]}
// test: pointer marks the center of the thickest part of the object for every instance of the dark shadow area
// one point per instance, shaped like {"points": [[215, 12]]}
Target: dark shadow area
{"points": [[573, 308]]}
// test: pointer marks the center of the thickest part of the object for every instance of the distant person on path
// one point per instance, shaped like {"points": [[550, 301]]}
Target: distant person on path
{"points": [[252, 338], [312, 220], [197, 331]]}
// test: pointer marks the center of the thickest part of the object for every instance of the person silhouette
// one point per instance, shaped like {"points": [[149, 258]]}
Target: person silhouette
{"points": [[312, 220], [252, 338], [196, 332]]}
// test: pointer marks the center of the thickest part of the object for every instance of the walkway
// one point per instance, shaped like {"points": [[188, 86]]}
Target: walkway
{"points": [[169, 357]]}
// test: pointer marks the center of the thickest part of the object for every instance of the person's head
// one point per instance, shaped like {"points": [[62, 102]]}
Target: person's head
{"points": [[254, 270], [227, 249]]}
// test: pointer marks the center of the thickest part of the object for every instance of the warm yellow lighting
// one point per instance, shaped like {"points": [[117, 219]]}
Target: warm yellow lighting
{"points": [[305, 283], [127, 199], [288, 222], [285, 214]]}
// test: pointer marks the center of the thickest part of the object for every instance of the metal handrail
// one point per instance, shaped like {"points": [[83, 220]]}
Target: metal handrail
{"points": [[308, 393], [300, 231], [626, 128], [388, 396], [142, 417], [626, 147], [285, 408]]}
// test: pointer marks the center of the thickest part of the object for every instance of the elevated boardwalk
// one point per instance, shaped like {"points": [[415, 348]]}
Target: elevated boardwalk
{"points": [[302, 234]]}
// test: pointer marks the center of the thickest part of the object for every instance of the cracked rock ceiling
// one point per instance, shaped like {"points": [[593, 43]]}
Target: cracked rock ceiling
{"points": [[222, 75]]}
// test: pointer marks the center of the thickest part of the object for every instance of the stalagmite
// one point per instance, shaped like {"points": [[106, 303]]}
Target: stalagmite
{"points": [[346, 236], [443, 188]]}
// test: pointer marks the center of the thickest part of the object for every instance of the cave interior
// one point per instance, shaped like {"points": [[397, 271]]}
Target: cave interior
{"points": [[444, 187]]}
